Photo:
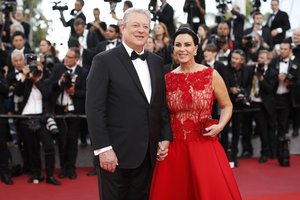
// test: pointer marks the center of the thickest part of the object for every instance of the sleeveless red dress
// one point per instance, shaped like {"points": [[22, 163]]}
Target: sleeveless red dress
{"points": [[196, 167]]}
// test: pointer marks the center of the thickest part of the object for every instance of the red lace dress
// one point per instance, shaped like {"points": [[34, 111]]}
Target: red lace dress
{"points": [[196, 167]]}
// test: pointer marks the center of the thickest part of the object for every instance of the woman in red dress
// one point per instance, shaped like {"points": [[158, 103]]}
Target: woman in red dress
{"points": [[195, 167]]}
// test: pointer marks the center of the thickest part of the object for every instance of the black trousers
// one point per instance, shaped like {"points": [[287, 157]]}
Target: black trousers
{"points": [[69, 130], [261, 118], [283, 105], [32, 140], [5, 155], [125, 184]]}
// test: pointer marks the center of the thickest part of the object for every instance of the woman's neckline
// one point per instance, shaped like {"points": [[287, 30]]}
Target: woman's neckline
{"points": [[190, 72]]}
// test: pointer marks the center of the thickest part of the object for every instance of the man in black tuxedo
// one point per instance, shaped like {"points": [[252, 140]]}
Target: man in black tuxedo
{"points": [[262, 102], [126, 112], [165, 15], [68, 83], [237, 22], [239, 83], [278, 22], [263, 31], [112, 39], [76, 13]]}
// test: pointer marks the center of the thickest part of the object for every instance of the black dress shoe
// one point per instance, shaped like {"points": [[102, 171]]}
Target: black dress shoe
{"points": [[93, 172], [72, 174], [5, 178], [246, 154], [295, 133], [36, 179], [263, 159], [62, 173], [52, 180]]}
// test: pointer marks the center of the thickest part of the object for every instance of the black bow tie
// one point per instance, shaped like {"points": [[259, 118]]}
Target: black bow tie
{"points": [[283, 61], [19, 72], [134, 55], [108, 43]]}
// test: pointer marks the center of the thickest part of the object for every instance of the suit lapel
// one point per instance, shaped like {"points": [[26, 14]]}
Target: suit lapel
{"points": [[127, 63]]}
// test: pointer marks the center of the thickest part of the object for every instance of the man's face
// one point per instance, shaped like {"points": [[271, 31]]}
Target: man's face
{"points": [[258, 19], [18, 62], [136, 31], [96, 14], [78, 6], [223, 29], [209, 55], [263, 58], [285, 50], [236, 61], [79, 29], [70, 59], [274, 6], [111, 33], [296, 37], [18, 42]]}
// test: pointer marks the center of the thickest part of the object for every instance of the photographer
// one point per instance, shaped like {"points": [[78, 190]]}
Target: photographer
{"points": [[196, 13], [165, 14], [47, 54], [239, 83], [68, 84], [262, 104], [252, 44], [76, 13], [263, 31], [35, 102]]}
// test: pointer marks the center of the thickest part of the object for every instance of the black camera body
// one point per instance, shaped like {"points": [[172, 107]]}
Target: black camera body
{"points": [[7, 6], [250, 41], [259, 68], [60, 8], [69, 80], [256, 5], [241, 95], [34, 70]]}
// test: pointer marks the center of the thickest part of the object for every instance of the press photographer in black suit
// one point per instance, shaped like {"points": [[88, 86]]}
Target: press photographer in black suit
{"points": [[262, 97], [68, 84], [165, 15], [76, 13], [196, 13], [36, 102]]}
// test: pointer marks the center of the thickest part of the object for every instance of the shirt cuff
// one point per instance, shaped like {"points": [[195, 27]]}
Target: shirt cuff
{"points": [[102, 150], [279, 30]]}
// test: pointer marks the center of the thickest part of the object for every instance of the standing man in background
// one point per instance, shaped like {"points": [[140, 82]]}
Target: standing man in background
{"points": [[196, 13]]}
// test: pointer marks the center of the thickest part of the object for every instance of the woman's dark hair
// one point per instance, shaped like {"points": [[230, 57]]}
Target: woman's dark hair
{"points": [[186, 31]]}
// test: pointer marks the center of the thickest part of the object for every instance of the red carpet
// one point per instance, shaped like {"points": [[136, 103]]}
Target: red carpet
{"points": [[256, 181]]}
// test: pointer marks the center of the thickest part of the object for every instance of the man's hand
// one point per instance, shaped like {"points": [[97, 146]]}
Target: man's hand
{"points": [[108, 160], [162, 150], [274, 33], [71, 90]]}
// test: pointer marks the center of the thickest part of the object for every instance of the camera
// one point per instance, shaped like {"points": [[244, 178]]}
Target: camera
{"points": [[250, 41], [222, 5], [7, 6], [256, 5], [60, 8], [242, 97], [219, 40], [259, 68], [113, 4], [31, 61], [51, 125], [69, 80]]}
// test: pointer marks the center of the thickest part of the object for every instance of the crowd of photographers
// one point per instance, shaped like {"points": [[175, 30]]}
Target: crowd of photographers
{"points": [[259, 65]]}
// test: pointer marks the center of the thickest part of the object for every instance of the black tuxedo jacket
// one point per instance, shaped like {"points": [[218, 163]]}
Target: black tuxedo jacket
{"points": [[3, 96], [245, 80], [266, 34], [294, 70], [80, 86], [281, 20], [117, 109], [24, 89], [166, 16], [267, 90], [101, 46]]}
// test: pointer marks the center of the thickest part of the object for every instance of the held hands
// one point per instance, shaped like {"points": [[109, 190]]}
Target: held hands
{"points": [[108, 160], [162, 150]]}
